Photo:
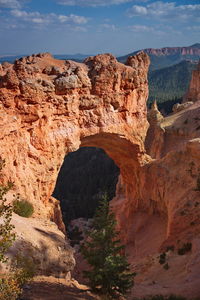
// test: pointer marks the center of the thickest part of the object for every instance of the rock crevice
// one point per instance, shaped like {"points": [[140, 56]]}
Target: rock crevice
{"points": [[50, 107]]}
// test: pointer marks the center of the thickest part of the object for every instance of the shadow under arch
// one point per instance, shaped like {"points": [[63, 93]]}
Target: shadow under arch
{"points": [[73, 185]]}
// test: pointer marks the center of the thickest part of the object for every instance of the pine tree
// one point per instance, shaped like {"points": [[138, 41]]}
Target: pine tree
{"points": [[102, 249], [7, 235]]}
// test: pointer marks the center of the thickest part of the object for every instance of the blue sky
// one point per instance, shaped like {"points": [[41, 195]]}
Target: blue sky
{"points": [[96, 26]]}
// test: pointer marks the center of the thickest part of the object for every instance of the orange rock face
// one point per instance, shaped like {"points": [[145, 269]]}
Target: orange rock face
{"points": [[162, 212], [50, 107]]}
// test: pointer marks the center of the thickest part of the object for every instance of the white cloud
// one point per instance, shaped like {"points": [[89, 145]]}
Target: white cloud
{"points": [[109, 26], [166, 10], [95, 3], [72, 19], [156, 31], [138, 10], [33, 17], [10, 4], [38, 18], [140, 28]]}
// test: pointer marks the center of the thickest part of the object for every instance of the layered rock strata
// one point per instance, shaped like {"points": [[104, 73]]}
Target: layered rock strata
{"points": [[50, 107]]}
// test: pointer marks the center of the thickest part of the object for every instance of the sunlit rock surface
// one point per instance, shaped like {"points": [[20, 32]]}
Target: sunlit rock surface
{"points": [[50, 107]]}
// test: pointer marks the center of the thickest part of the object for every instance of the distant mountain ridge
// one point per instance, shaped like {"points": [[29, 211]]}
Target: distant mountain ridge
{"points": [[160, 57], [169, 73], [189, 50], [167, 56]]}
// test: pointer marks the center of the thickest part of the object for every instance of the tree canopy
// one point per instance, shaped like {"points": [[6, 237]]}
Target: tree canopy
{"points": [[109, 272]]}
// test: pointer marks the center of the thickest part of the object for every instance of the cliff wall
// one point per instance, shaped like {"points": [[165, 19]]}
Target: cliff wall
{"points": [[50, 107]]}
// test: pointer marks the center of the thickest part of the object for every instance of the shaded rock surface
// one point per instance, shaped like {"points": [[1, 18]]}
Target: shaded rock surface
{"points": [[84, 177], [193, 93], [180, 106], [49, 288], [44, 244], [157, 200]]}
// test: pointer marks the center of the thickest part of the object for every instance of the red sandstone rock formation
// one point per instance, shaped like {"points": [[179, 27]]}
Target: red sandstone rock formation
{"points": [[154, 139], [160, 209], [193, 93], [50, 107]]}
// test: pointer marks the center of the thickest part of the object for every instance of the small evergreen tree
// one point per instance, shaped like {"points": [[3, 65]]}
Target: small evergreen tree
{"points": [[109, 271], [7, 235]]}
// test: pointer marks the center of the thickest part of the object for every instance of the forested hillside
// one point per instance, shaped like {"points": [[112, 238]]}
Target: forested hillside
{"points": [[169, 73], [170, 83]]}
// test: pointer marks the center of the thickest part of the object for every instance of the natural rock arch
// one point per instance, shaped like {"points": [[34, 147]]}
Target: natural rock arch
{"points": [[51, 107]]}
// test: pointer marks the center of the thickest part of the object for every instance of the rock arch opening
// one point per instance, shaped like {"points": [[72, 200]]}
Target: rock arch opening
{"points": [[92, 170], [84, 177]]}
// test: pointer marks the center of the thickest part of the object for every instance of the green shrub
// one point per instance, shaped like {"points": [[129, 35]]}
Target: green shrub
{"points": [[23, 208], [166, 266], [9, 288], [170, 248], [162, 258], [24, 268], [22, 271], [187, 247], [198, 183]]}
